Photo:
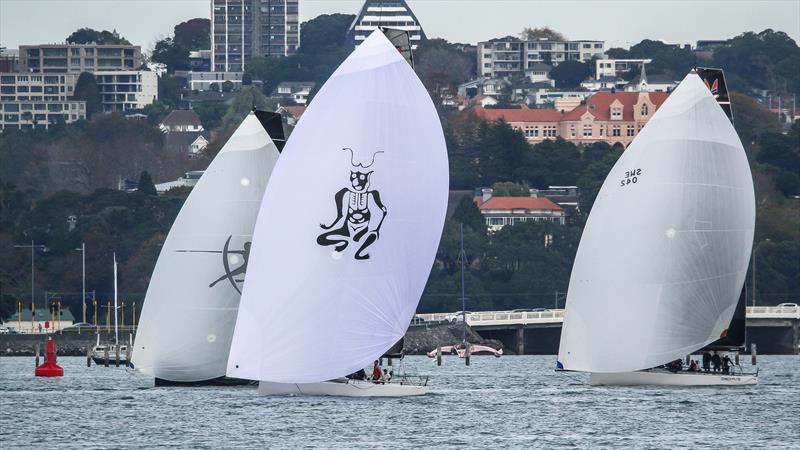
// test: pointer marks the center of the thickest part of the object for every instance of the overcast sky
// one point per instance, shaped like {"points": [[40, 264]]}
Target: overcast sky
{"points": [[620, 23]]}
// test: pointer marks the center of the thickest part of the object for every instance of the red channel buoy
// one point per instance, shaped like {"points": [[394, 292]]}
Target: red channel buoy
{"points": [[49, 368]]}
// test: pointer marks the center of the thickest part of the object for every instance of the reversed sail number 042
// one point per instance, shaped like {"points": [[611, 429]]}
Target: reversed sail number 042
{"points": [[631, 176]]}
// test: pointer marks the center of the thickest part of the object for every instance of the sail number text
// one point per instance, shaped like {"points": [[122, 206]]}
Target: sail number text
{"points": [[631, 176]]}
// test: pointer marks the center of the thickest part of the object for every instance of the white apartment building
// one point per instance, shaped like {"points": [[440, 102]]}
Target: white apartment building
{"points": [[124, 90], [509, 57], [77, 58], [617, 67], [37, 100], [385, 13], [201, 81]]}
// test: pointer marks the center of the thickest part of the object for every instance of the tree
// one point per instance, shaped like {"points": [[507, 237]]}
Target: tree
{"points": [[214, 87], [88, 36], [570, 74], [171, 54], [86, 89], [325, 33], [170, 90], [510, 189], [227, 86], [247, 79], [534, 34], [194, 34], [766, 60], [146, 185], [442, 64]]}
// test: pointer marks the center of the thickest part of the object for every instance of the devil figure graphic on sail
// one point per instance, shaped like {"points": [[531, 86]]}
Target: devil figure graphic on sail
{"points": [[359, 213]]}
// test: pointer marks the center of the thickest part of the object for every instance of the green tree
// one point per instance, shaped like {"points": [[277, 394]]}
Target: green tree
{"points": [[569, 74], [325, 33], [170, 90], [510, 189], [214, 87], [171, 54], [247, 98], [766, 60], [534, 34], [194, 34], [247, 79], [468, 213], [227, 86], [86, 89], [89, 35]]}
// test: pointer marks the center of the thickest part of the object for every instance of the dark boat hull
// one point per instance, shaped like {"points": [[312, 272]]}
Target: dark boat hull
{"points": [[220, 381]]}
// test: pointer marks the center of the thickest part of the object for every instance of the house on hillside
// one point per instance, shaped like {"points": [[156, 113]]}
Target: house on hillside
{"points": [[296, 91], [183, 132], [291, 114], [651, 83], [499, 211]]}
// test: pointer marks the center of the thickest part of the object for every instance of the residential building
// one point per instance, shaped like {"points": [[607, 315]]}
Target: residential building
{"points": [[291, 114], [37, 100], [545, 96], [485, 86], [499, 211], [124, 90], [604, 83], [200, 60], [295, 91], [243, 29], [611, 117], [513, 57], [77, 58], [9, 62], [617, 67], [181, 120], [651, 83], [385, 13], [204, 97], [539, 73], [201, 81], [183, 132], [567, 197]]}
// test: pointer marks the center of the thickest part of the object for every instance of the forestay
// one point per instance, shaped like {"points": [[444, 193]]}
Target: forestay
{"points": [[190, 306], [348, 228], [664, 253]]}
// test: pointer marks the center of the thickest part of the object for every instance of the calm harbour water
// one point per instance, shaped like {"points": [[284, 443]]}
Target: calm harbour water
{"points": [[510, 402]]}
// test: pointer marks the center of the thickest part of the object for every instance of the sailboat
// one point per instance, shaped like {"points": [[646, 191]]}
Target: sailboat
{"points": [[104, 353], [190, 307], [346, 235], [662, 260]]}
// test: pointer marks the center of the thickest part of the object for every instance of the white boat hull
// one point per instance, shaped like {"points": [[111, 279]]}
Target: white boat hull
{"points": [[342, 389], [657, 378]]}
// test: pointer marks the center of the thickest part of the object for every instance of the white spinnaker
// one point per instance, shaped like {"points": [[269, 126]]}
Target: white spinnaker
{"points": [[186, 326], [662, 260], [306, 316]]}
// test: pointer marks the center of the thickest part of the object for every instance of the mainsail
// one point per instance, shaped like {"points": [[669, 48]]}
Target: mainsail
{"points": [[663, 257], [348, 228], [190, 307]]}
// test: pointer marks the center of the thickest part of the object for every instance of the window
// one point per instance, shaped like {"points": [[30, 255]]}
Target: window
{"points": [[631, 130], [587, 130], [572, 130], [645, 109], [616, 113], [615, 131]]}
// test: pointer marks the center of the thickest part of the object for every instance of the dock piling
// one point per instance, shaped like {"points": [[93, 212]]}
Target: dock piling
{"points": [[753, 353], [467, 353], [116, 356], [88, 356], [37, 354], [105, 356], [439, 355]]}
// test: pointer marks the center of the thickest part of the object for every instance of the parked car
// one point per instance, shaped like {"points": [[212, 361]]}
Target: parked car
{"points": [[79, 327], [787, 305], [457, 316]]}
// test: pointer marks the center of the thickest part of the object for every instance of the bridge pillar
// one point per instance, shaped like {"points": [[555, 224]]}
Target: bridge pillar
{"points": [[520, 341]]}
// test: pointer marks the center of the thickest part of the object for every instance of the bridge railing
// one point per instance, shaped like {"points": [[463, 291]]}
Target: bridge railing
{"points": [[778, 312], [488, 318]]}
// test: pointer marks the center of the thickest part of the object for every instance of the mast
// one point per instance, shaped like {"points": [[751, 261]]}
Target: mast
{"points": [[462, 256], [116, 330]]}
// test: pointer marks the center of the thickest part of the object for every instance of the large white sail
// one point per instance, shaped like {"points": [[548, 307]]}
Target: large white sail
{"points": [[349, 226], [662, 259], [190, 307]]}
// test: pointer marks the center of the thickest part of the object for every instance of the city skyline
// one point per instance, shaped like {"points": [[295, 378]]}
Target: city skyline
{"points": [[683, 23]]}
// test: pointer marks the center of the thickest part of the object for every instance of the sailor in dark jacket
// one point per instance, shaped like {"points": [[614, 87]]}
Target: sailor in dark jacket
{"points": [[716, 362], [706, 361]]}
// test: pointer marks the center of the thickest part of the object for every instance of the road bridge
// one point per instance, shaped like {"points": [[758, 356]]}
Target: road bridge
{"points": [[775, 329]]}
